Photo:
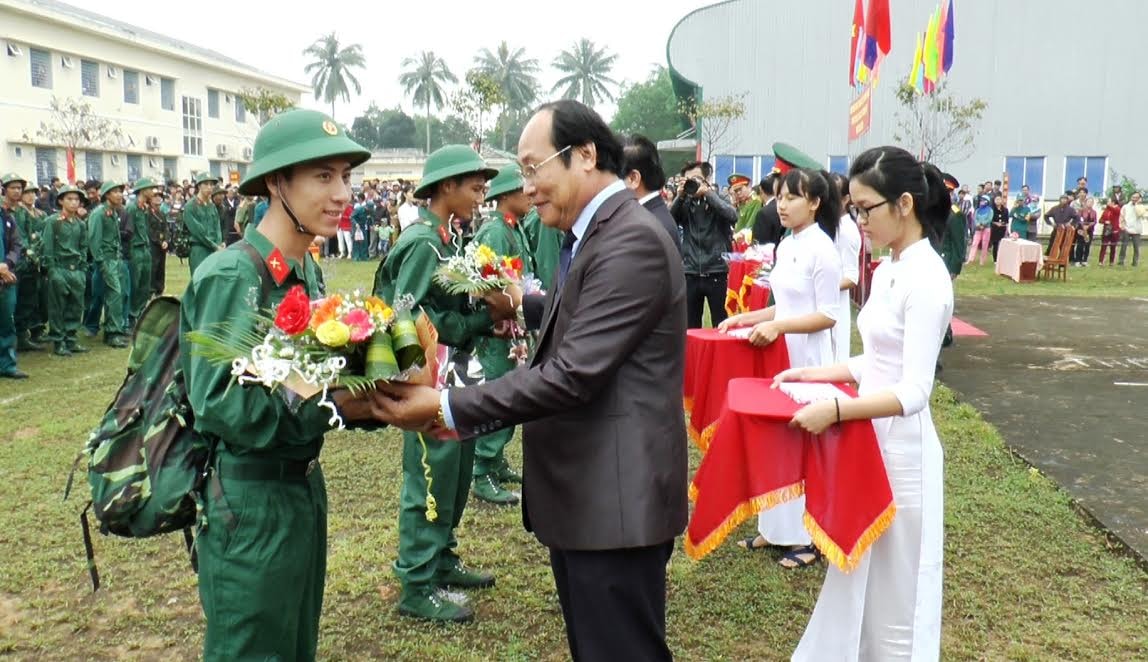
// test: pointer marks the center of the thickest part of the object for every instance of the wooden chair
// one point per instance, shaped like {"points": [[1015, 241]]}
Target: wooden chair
{"points": [[1056, 263]]}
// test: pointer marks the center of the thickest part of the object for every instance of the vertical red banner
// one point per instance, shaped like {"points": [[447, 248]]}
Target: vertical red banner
{"points": [[70, 159], [860, 115]]}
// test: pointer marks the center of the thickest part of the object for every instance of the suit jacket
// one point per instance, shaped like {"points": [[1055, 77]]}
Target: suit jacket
{"points": [[657, 206], [604, 440]]}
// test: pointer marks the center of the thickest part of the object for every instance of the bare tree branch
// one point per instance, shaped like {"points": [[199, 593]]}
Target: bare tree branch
{"points": [[937, 126]]}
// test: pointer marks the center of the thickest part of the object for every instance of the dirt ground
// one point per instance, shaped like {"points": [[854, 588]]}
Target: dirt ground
{"points": [[1066, 383]]}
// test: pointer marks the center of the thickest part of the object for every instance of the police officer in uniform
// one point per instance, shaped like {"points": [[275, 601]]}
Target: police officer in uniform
{"points": [[11, 255], [201, 218], [502, 231], [106, 248], [65, 249], [140, 253], [454, 179], [263, 548]]}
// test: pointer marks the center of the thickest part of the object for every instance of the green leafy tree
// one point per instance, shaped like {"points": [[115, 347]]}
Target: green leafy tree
{"points": [[515, 74], [451, 131], [331, 69], [937, 127], [263, 103], [364, 132], [423, 79], [396, 129], [713, 120], [586, 70], [650, 108], [480, 97]]}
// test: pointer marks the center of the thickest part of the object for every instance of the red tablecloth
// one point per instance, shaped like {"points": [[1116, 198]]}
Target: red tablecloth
{"points": [[712, 360], [738, 283], [757, 461]]}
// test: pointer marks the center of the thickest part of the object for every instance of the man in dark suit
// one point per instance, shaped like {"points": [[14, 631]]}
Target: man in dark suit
{"points": [[604, 440], [767, 227], [643, 174]]}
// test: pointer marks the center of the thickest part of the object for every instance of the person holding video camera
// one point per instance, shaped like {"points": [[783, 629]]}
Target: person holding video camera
{"points": [[707, 231]]}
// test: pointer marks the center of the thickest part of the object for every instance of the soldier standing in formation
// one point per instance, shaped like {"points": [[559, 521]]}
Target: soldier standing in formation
{"points": [[139, 254], [105, 245], [11, 255], [65, 249], [201, 220], [31, 292]]}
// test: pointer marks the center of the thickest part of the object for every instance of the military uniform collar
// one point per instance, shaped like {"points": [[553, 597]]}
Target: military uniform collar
{"points": [[435, 223], [278, 264], [506, 217]]}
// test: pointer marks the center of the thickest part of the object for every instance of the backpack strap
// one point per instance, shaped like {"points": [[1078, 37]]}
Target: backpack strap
{"points": [[266, 282]]}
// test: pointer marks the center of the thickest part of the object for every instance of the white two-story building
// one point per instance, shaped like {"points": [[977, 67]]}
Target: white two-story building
{"points": [[175, 103]]}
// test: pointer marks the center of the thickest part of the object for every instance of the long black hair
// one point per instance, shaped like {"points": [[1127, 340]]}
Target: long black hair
{"points": [[814, 185], [892, 171]]}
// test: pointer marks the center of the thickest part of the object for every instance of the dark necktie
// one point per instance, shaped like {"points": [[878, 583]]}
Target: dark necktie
{"points": [[564, 257]]}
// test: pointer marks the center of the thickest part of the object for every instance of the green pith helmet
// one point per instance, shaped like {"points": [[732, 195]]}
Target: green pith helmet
{"points": [[69, 189], [12, 178], [508, 180], [108, 187], [143, 184], [451, 161], [294, 137], [31, 187], [205, 177]]}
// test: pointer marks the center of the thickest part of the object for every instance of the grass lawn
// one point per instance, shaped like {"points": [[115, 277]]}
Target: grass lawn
{"points": [[1090, 281], [1026, 577]]}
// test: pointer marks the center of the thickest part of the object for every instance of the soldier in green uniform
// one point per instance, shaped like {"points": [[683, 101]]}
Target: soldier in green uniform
{"points": [[454, 179], [502, 231], [139, 255], [30, 315], [11, 255], [106, 249], [201, 218], [263, 549], [64, 252], [545, 244], [157, 231]]}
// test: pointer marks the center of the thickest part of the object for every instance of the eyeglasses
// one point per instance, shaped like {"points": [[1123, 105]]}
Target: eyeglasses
{"points": [[863, 212], [530, 172]]}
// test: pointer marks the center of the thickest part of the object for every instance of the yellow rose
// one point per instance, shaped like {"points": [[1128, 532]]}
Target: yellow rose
{"points": [[484, 255], [333, 333]]}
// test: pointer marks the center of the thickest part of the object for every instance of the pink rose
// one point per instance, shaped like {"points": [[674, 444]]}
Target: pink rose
{"points": [[359, 321]]}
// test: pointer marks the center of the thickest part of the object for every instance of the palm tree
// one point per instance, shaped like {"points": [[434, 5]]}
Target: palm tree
{"points": [[423, 80], [587, 72], [515, 75], [332, 69]]}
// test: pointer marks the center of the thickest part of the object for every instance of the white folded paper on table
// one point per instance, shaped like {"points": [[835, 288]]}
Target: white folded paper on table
{"points": [[740, 332], [807, 392]]}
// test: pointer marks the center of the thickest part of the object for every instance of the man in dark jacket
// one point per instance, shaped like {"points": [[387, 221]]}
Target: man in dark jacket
{"points": [[642, 172], [707, 231], [767, 227]]}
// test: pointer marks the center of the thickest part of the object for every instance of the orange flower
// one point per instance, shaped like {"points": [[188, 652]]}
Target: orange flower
{"points": [[325, 310]]}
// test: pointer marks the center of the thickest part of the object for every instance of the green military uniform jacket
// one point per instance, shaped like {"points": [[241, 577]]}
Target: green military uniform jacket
{"points": [[505, 236], [251, 420], [545, 243], [65, 243], [747, 214], [104, 233], [31, 228], [409, 270], [202, 221], [953, 244], [141, 242]]}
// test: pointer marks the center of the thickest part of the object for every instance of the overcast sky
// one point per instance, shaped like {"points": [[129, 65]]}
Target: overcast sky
{"points": [[271, 36]]}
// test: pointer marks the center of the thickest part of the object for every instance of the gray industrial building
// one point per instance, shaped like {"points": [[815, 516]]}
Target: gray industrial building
{"points": [[1064, 82]]}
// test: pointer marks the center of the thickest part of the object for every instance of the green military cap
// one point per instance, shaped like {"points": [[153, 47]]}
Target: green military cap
{"points": [[31, 186], [508, 180], [12, 178], [108, 187], [787, 157], [294, 137], [451, 161], [64, 190], [144, 183], [205, 177], [737, 179]]}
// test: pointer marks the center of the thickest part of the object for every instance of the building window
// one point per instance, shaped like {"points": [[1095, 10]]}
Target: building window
{"points": [[45, 164], [1093, 167], [135, 167], [1025, 171], [216, 169], [131, 86], [169, 169], [242, 167], [167, 93], [240, 111], [90, 78], [723, 168], [41, 68], [839, 164], [94, 166], [192, 126], [213, 104]]}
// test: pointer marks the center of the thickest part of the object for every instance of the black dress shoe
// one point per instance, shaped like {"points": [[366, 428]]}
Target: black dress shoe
{"points": [[15, 374]]}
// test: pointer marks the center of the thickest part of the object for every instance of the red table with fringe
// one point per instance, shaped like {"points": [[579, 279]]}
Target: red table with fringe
{"points": [[757, 461], [712, 360], [739, 281]]}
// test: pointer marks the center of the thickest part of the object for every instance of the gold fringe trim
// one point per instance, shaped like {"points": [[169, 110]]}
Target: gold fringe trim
{"points": [[731, 302], [703, 439], [848, 562], [693, 493], [740, 514]]}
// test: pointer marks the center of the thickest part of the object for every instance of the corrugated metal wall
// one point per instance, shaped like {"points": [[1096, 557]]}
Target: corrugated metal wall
{"points": [[1062, 78]]}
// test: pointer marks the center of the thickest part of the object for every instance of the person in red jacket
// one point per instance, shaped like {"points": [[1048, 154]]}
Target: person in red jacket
{"points": [[345, 233], [1110, 234]]}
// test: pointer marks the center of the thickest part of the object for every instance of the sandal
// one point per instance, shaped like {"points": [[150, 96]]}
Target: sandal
{"points": [[749, 546], [800, 557]]}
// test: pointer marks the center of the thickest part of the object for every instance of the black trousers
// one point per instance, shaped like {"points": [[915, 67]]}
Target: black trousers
{"points": [[158, 270], [1081, 249], [699, 290], [614, 602]]}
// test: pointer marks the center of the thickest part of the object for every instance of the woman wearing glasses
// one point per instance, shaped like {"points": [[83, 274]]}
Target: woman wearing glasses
{"points": [[805, 282], [889, 607]]}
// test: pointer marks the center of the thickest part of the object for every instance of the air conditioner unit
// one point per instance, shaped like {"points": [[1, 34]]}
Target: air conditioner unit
{"points": [[221, 150], [113, 72], [153, 142], [149, 80], [115, 159], [247, 153], [67, 62], [14, 50], [152, 162]]}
